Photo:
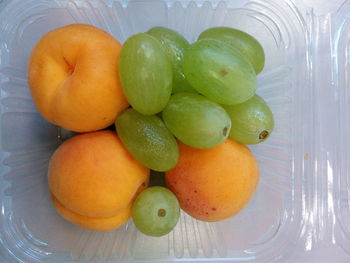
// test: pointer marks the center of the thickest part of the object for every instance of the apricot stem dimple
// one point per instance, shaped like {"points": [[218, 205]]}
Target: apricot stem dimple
{"points": [[263, 135], [70, 67], [161, 212]]}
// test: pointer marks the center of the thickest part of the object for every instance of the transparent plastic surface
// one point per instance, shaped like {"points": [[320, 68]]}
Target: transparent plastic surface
{"points": [[340, 23], [289, 202]]}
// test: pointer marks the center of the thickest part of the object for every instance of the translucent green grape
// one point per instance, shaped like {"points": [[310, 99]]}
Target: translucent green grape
{"points": [[252, 121], [174, 46], [219, 72], [146, 74], [244, 42], [196, 121], [148, 140], [155, 211]]}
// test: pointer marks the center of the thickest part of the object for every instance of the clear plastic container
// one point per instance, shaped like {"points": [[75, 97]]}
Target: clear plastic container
{"points": [[303, 194], [340, 22]]}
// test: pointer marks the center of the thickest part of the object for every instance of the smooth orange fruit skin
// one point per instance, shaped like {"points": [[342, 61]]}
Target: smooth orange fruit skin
{"points": [[214, 184], [73, 78], [94, 176], [93, 223]]}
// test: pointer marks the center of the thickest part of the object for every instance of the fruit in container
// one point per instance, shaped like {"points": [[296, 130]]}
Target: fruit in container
{"points": [[240, 40], [98, 180], [214, 184], [155, 211], [148, 140], [196, 121], [73, 78], [93, 223], [252, 120], [174, 46], [93, 180], [219, 71], [146, 74]]}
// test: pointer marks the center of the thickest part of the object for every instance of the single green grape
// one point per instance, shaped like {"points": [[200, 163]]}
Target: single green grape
{"points": [[174, 46], [219, 72], [244, 42], [145, 73], [155, 211], [252, 121], [196, 121], [148, 140]]}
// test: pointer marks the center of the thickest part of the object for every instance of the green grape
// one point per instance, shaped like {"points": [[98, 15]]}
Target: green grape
{"points": [[196, 121], [219, 72], [155, 211], [145, 74], [148, 140], [252, 121], [174, 46], [244, 42]]}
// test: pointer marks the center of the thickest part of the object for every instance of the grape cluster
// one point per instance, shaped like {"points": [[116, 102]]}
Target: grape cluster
{"points": [[199, 94]]}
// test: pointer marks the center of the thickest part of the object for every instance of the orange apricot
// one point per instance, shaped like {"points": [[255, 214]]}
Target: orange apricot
{"points": [[214, 184], [73, 78], [93, 176]]}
